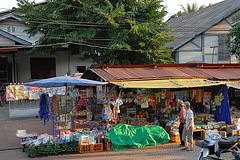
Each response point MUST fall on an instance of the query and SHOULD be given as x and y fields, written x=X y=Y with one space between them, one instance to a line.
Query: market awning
x=234 y=84
x=170 y=83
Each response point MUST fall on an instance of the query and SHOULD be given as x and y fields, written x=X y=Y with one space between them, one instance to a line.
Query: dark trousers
x=181 y=131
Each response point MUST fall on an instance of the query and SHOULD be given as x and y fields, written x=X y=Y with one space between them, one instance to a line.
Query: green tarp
x=125 y=136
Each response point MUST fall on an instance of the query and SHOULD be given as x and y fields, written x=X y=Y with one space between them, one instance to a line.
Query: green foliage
x=32 y=151
x=109 y=31
x=65 y=147
x=57 y=148
x=73 y=146
x=49 y=149
x=234 y=36
x=41 y=149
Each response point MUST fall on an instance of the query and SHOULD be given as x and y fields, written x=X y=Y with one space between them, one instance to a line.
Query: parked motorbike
x=235 y=154
x=224 y=145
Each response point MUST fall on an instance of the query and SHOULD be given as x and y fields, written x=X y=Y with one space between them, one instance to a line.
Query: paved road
x=169 y=151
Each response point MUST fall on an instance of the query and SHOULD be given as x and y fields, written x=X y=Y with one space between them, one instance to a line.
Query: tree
x=188 y=9
x=234 y=36
x=109 y=31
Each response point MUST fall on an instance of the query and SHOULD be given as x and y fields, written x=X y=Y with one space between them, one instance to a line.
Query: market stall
x=68 y=138
x=143 y=99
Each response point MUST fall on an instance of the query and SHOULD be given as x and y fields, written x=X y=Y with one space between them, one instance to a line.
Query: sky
x=172 y=5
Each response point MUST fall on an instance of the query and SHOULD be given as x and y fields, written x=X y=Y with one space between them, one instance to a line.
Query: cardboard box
x=174 y=138
x=235 y=132
x=84 y=142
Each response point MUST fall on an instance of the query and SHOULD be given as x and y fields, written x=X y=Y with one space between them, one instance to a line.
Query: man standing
x=188 y=128
x=181 y=120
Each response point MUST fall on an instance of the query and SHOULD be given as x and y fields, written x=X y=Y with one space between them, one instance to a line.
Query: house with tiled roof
x=201 y=36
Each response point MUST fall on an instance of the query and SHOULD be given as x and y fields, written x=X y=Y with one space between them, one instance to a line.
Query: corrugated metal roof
x=188 y=26
x=111 y=74
x=223 y=74
x=103 y=74
x=141 y=73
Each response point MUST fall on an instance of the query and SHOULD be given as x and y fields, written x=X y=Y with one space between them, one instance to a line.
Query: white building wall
x=191 y=52
x=5 y=42
x=61 y=58
x=19 y=30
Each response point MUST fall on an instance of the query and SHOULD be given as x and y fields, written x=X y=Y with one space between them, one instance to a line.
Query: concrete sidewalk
x=9 y=126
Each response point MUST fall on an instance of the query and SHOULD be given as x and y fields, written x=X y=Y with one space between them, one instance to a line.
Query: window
x=11 y=29
x=42 y=68
x=81 y=69
x=223 y=52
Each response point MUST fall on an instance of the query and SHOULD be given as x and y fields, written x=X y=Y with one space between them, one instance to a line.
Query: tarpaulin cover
x=124 y=136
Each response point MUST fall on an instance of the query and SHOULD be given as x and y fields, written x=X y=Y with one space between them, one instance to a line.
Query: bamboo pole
x=66 y=106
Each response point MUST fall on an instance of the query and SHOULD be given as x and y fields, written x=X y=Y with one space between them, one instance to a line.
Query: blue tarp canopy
x=64 y=81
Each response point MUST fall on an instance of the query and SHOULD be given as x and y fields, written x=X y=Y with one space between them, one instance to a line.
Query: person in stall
x=144 y=114
x=187 y=134
x=156 y=121
x=180 y=104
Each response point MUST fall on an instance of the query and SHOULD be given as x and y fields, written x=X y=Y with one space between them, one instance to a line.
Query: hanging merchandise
x=144 y=105
x=144 y=102
x=199 y=94
x=84 y=95
x=163 y=95
x=157 y=96
x=181 y=95
x=152 y=103
x=44 y=108
x=168 y=106
x=107 y=111
x=54 y=106
x=186 y=94
x=34 y=93
x=26 y=92
x=207 y=98
x=89 y=92
x=170 y=97
x=115 y=112
x=213 y=106
x=10 y=93
x=176 y=93
x=19 y=92
x=118 y=103
x=218 y=99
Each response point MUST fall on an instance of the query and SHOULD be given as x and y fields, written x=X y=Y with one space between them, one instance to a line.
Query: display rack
x=59 y=123
x=82 y=116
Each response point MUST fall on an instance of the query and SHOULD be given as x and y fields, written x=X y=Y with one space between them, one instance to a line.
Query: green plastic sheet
x=124 y=136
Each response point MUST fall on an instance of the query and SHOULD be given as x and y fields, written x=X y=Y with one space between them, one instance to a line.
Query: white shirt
x=188 y=116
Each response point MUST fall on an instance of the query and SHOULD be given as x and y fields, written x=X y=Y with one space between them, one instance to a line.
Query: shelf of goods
x=82 y=117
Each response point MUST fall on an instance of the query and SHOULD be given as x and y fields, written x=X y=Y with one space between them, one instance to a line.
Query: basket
x=98 y=147
x=107 y=144
x=84 y=149
x=90 y=148
x=175 y=138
